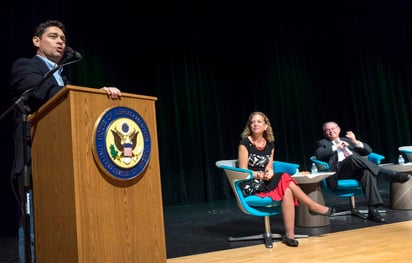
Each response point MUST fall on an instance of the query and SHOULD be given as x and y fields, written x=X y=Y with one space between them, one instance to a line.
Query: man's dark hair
x=42 y=27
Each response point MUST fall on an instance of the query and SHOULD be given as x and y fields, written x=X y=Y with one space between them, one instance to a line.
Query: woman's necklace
x=259 y=145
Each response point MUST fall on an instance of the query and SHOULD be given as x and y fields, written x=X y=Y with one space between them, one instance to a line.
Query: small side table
x=400 y=194
x=310 y=184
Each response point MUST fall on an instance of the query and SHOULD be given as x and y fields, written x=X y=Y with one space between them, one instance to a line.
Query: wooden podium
x=80 y=213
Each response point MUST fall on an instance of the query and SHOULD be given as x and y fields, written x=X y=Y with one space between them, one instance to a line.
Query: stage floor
x=354 y=245
x=204 y=227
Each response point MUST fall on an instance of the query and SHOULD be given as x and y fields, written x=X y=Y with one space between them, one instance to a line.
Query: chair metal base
x=354 y=212
x=267 y=236
x=361 y=213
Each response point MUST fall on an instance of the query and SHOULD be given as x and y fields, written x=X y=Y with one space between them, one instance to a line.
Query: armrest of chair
x=246 y=174
x=405 y=149
x=239 y=174
x=375 y=158
x=284 y=167
x=322 y=166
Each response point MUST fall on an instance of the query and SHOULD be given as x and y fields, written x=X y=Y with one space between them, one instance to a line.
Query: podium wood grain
x=81 y=214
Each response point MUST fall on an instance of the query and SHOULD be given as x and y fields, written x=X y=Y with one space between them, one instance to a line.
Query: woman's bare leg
x=288 y=213
x=306 y=200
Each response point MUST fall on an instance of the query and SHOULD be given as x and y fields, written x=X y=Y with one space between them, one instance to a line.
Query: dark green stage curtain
x=204 y=104
x=300 y=74
x=211 y=66
x=206 y=95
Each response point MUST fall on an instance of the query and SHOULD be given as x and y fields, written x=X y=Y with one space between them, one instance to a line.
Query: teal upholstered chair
x=254 y=205
x=347 y=187
x=407 y=150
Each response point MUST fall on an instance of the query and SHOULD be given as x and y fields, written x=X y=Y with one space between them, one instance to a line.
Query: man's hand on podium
x=113 y=92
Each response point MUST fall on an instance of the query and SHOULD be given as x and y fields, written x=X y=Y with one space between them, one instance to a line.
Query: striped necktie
x=345 y=151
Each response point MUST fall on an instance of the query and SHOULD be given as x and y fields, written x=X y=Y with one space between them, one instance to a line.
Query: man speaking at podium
x=34 y=81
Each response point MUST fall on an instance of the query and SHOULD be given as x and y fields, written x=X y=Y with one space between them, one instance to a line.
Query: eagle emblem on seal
x=121 y=143
x=125 y=143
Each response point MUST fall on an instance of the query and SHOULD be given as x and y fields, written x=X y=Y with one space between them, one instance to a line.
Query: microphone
x=70 y=55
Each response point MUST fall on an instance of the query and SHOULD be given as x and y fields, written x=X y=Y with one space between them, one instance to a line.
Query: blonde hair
x=267 y=134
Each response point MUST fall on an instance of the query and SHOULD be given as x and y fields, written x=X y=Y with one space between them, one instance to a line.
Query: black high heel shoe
x=289 y=241
x=330 y=212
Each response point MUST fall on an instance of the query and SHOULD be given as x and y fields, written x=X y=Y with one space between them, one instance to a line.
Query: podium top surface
x=100 y=91
x=68 y=88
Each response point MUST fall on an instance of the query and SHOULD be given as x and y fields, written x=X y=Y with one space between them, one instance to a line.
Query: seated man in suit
x=346 y=157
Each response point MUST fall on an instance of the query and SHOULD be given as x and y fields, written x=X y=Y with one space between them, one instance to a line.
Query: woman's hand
x=259 y=175
x=268 y=175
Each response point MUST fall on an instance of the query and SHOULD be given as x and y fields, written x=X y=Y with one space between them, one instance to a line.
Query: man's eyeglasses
x=331 y=129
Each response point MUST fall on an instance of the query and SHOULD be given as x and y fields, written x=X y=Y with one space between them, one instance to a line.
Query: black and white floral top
x=258 y=159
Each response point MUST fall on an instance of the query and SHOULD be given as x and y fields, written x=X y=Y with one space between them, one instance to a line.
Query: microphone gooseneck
x=71 y=57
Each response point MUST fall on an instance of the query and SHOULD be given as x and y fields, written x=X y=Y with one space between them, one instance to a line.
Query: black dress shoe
x=330 y=212
x=400 y=177
x=375 y=216
x=290 y=242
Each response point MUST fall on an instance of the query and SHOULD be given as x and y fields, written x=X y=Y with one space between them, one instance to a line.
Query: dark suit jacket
x=324 y=152
x=26 y=73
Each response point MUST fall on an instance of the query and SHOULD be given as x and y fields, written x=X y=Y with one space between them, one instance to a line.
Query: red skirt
x=278 y=193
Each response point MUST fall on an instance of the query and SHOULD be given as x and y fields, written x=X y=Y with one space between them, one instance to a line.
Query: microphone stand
x=26 y=201
x=27 y=180
x=27 y=186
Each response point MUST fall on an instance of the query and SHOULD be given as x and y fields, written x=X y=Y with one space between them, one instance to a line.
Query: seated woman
x=256 y=152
